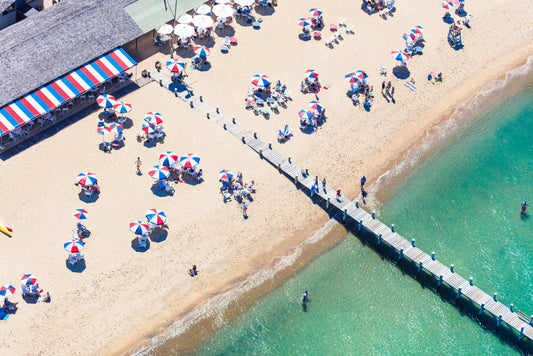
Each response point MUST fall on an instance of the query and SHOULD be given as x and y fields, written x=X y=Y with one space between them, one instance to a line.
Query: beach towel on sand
x=410 y=86
x=3 y=316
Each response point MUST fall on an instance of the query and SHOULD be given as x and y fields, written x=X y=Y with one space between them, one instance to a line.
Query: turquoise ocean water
x=464 y=204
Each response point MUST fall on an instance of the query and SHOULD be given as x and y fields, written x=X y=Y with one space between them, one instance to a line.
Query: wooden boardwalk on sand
x=362 y=222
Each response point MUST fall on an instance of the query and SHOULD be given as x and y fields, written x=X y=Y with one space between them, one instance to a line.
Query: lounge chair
x=390 y=5
x=329 y=41
x=71 y=259
x=88 y=192
x=142 y=241
x=287 y=132
x=382 y=70
x=349 y=29
x=383 y=13
x=342 y=22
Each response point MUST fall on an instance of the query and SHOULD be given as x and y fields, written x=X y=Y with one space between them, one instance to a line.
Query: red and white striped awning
x=54 y=94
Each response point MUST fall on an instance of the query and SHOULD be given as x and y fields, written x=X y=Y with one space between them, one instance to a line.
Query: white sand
x=124 y=295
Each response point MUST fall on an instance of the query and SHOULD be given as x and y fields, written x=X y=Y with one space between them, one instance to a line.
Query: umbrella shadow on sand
x=401 y=72
x=160 y=192
x=184 y=52
x=265 y=10
x=158 y=234
x=228 y=30
x=245 y=21
x=204 y=67
x=88 y=199
x=207 y=42
x=137 y=247
x=78 y=267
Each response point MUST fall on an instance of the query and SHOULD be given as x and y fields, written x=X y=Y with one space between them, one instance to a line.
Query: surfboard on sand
x=5 y=228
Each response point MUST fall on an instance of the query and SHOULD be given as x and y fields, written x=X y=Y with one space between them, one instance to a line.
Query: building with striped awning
x=54 y=94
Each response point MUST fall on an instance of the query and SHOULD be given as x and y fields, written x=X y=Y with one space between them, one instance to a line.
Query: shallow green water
x=464 y=203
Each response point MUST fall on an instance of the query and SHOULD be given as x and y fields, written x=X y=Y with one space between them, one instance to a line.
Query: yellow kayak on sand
x=5 y=228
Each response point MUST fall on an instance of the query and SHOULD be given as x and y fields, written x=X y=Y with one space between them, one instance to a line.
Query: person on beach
x=392 y=93
x=524 y=207
x=244 y=210
x=316 y=181
x=138 y=164
x=324 y=183
x=363 y=181
x=338 y=194
x=363 y=194
x=193 y=271
x=382 y=87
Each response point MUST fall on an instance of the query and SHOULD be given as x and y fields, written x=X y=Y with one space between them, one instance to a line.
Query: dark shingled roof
x=59 y=39
x=4 y=4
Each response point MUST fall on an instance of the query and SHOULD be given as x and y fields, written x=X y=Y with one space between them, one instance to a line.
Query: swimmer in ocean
x=524 y=207
x=304 y=297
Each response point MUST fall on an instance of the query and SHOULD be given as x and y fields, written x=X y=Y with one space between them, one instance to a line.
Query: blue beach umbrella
x=303 y=22
x=139 y=228
x=156 y=217
x=351 y=78
x=105 y=101
x=168 y=158
x=159 y=172
x=190 y=161
x=400 y=55
x=260 y=81
x=225 y=175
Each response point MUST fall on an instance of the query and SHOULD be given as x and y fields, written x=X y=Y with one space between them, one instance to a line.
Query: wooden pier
x=443 y=279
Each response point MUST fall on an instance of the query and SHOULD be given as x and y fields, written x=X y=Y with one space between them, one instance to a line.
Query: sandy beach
x=124 y=297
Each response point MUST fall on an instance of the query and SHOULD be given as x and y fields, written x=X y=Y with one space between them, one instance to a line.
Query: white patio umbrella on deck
x=165 y=29
x=203 y=9
x=223 y=10
x=185 y=18
x=183 y=30
x=202 y=21
x=244 y=2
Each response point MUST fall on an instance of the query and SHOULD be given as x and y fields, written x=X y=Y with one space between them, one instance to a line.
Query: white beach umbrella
x=202 y=21
x=223 y=10
x=165 y=29
x=244 y=2
x=203 y=9
x=183 y=30
x=185 y=18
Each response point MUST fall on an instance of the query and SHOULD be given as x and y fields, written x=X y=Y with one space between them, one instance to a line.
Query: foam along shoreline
x=226 y=306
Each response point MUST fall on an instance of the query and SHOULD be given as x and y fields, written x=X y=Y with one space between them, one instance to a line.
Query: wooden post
x=289 y=159
x=499 y=321
x=451 y=268
x=255 y=134
x=511 y=307
x=400 y=255
x=261 y=153
x=373 y=214
x=270 y=145
x=360 y=225
x=357 y=204
x=495 y=296
x=192 y=105
x=327 y=204
x=481 y=308
x=392 y=228
x=433 y=255
x=201 y=99
x=176 y=92
x=218 y=110
x=233 y=121
x=225 y=128
x=379 y=239
x=419 y=266
x=295 y=179
x=161 y=82
x=413 y=242
x=243 y=139
x=440 y=280
x=471 y=280
x=344 y=214
x=521 y=333
x=208 y=115
x=458 y=292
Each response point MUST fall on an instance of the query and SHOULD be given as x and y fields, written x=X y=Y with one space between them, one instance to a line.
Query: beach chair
x=79 y=256
x=71 y=260
x=233 y=41
x=287 y=132
x=91 y=96
x=382 y=70
x=349 y=29
x=333 y=27
x=227 y=41
x=329 y=41
x=88 y=192
x=383 y=13
x=342 y=22
x=390 y=5
x=142 y=241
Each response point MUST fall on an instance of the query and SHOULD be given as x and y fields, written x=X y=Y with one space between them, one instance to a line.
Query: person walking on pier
x=363 y=181
x=324 y=183
x=524 y=207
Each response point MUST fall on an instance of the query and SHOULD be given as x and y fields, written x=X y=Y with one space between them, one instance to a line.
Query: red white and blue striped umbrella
x=417 y=30
x=148 y=128
x=202 y=51
x=105 y=101
x=351 y=78
x=28 y=280
x=409 y=37
x=122 y=107
x=310 y=73
x=153 y=118
x=87 y=179
x=303 y=22
x=361 y=74
x=168 y=158
x=175 y=65
x=260 y=80
x=7 y=290
x=159 y=172
x=73 y=246
x=315 y=105
x=102 y=130
x=81 y=214
x=189 y=161
x=447 y=5
x=115 y=128
x=305 y=114
x=156 y=217
x=399 y=55
x=139 y=228
x=225 y=175
x=315 y=12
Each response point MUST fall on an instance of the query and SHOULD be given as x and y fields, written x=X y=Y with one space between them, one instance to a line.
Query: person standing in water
x=305 y=297
x=524 y=207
